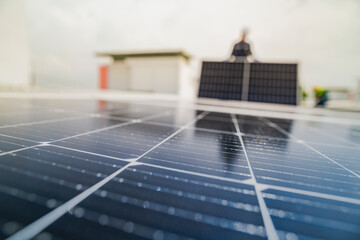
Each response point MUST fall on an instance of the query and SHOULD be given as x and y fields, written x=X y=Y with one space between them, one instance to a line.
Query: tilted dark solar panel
x=271 y=83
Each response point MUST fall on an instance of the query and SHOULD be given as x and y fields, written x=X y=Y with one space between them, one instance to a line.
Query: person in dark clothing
x=241 y=49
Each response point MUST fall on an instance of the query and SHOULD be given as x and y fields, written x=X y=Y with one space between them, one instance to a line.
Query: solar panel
x=133 y=170
x=254 y=82
x=273 y=83
x=221 y=80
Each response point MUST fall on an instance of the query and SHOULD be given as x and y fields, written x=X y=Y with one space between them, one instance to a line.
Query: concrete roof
x=118 y=56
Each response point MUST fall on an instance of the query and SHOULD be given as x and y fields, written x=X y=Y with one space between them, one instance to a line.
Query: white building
x=158 y=72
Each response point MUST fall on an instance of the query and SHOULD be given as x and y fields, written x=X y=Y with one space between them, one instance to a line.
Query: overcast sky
x=322 y=35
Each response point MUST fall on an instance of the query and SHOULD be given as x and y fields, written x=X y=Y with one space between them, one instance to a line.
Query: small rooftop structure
x=164 y=71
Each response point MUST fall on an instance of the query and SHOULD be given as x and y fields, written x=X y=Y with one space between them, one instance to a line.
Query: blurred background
x=64 y=44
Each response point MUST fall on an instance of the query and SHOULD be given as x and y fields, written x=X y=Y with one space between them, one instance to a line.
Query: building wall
x=119 y=76
x=188 y=84
x=14 y=46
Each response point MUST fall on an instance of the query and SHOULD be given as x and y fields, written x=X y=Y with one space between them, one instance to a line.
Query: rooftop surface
x=137 y=167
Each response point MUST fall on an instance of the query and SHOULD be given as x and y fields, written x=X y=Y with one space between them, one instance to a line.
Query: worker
x=241 y=50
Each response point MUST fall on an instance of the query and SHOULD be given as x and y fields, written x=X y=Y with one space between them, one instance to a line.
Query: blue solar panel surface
x=129 y=170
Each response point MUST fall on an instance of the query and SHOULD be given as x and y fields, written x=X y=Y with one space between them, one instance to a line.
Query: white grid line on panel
x=269 y=225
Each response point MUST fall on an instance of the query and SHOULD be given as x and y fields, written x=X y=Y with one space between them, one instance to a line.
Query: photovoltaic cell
x=8 y=143
x=125 y=142
x=24 y=116
x=182 y=152
x=318 y=217
x=127 y=170
x=345 y=155
x=51 y=131
x=304 y=169
x=154 y=202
